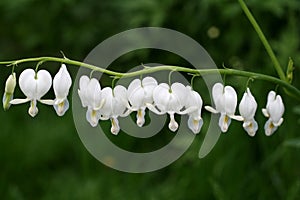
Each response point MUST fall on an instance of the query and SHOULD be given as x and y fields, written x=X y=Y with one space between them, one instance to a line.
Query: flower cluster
x=35 y=85
x=161 y=98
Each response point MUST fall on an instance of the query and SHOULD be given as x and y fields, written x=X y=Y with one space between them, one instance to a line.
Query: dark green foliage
x=43 y=158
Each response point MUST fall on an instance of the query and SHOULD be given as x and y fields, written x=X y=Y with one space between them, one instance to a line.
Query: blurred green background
x=43 y=157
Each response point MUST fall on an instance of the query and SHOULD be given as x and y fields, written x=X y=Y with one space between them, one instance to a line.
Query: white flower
x=90 y=96
x=170 y=100
x=9 y=91
x=193 y=99
x=274 y=111
x=247 y=110
x=115 y=105
x=225 y=100
x=34 y=86
x=61 y=84
x=139 y=94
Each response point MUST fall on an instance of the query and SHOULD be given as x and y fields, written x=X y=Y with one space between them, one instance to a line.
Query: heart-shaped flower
x=90 y=95
x=61 y=84
x=115 y=105
x=139 y=94
x=274 y=111
x=34 y=86
x=247 y=110
x=225 y=99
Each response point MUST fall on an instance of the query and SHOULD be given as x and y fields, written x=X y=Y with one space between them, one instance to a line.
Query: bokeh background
x=43 y=157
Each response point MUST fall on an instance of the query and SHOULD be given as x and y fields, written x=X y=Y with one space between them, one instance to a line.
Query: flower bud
x=9 y=91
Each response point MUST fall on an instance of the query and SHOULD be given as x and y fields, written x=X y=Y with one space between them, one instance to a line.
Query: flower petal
x=19 y=101
x=173 y=125
x=92 y=116
x=195 y=125
x=217 y=93
x=44 y=82
x=248 y=105
x=270 y=128
x=251 y=127
x=62 y=107
x=224 y=122
x=33 y=110
x=115 y=128
x=230 y=100
x=62 y=82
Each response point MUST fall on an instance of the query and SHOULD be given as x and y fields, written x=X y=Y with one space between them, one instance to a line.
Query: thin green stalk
x=293 y=91
x=263 y=39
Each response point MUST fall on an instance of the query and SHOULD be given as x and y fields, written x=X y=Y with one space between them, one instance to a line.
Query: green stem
x=263 y=39
x=148 y=70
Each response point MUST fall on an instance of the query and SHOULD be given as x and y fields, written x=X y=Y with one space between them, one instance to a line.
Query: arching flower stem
x=148 y=70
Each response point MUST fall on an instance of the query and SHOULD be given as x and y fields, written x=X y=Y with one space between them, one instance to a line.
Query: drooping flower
x=274 y=111
x=139 y=94
x=116 y=105
x=171 y=100
x=225 y=99
x=90 y=95
x=9 y=91
x=247 y=110
x=61 y=84
x=34 y=86
x=195 y=120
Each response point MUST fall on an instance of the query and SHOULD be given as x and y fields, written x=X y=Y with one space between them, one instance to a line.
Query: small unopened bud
x=9 y=91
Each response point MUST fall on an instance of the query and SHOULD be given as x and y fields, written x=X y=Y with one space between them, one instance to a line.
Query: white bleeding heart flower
x=90 y=95
x=171 y=100
x=274 y=111
x=10 y=85
x=194 y=100
x=34 y=86
x=115 y=105
x=225 y=99
x=140 y=93
x=61 y=84
x=247 y=110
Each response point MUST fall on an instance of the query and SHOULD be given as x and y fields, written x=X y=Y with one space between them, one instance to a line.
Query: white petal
x=236 y=117
x=49 y=102
x=62 y=107
x=180 y=91
x=62 y=82
x=224 y=122
x=161 y=96
x=173 y=125
x=265 y=112
x=211 y=109
x=152 y=108
x=33 y=110
x=27 y=83
x=107 y=108
x=92 y=117
x=230 y=100
x=149 y=82
x=44 y=82
x=83 y=85
x=115 y=128
x=280 y=121
x=93 y=94
x=19 y=101
x=195 y=125
x=133 y=86
x=270 y=128
x=276 y=109
x=217 y=93
x=251 y=127
x=136 y=98
x=140 y=117
x=248 y=105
